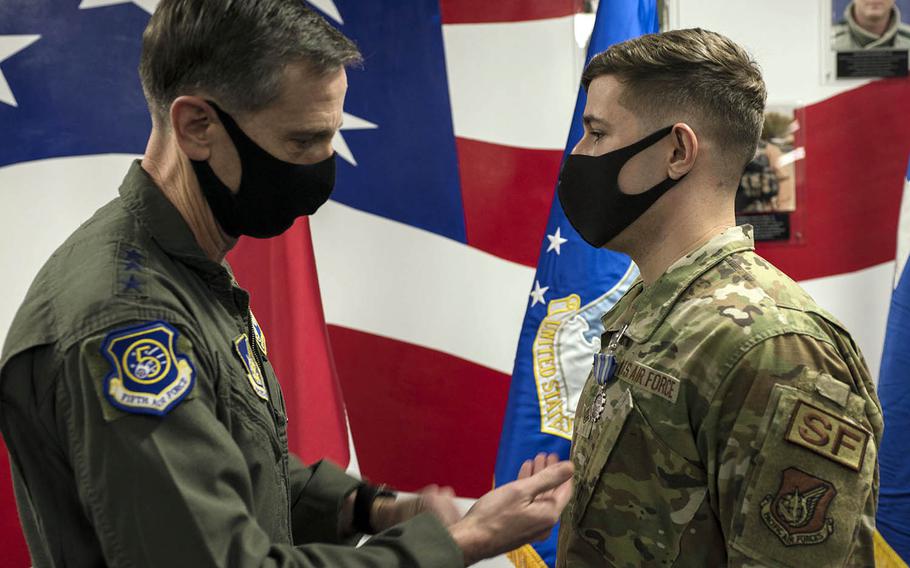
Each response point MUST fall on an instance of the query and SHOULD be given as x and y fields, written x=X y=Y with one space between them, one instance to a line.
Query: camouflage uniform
x=739 y=428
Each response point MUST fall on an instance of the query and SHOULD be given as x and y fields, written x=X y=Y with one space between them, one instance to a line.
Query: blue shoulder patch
x=148 y=376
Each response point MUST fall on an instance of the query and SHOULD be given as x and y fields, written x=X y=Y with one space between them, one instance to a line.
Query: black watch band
x=363 y=505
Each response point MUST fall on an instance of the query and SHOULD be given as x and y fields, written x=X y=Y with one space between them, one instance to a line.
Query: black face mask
x=590 y=195
x=272 y=193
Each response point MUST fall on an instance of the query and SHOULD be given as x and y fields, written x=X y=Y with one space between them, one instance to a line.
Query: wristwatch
x=363 y=505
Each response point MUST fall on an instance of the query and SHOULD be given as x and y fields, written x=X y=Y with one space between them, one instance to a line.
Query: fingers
x=562 y=494
x=526 y=469
x=440 y=502
x=433 y=489
x=540 y=462
x=550 y=477
x=551 y=459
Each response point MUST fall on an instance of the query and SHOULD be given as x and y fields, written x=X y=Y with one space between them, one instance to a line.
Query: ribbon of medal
x=604 y=369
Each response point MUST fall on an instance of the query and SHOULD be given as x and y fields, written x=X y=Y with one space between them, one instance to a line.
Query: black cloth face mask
x=272 y=193
x=590 y=195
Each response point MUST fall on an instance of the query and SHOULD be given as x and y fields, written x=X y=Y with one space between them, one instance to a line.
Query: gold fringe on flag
x=527 y=557
x=885 y=557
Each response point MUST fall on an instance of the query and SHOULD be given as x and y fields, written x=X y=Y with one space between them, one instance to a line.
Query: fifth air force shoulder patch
x=148 y=375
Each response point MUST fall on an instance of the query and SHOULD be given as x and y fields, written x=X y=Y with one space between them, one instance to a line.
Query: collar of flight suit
x=145 y=201
x=650 y=305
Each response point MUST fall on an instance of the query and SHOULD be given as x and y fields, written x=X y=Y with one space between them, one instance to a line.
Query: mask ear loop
x=632 y=150
x=655 y=192
x=648 y=140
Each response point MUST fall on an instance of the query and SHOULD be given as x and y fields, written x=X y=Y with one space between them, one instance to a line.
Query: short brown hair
x=234 y=50
x=691 y=73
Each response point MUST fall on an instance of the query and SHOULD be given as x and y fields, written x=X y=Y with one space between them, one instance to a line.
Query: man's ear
x=685 y=150
x=192 y=119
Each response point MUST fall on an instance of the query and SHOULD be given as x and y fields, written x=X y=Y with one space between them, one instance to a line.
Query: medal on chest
x=604 y=368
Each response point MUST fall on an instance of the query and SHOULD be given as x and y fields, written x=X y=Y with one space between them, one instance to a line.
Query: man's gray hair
x=234 y=50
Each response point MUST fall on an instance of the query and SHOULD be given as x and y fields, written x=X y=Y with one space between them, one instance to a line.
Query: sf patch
x=803 y=500
x=830 y=436
x=251 y=366
x=798 y=512
x=148 y=375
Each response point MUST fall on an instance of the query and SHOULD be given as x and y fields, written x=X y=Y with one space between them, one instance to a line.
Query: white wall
x=788 y=38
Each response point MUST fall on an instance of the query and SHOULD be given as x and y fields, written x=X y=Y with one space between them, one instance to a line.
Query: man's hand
x=516 y=513
x=388 y=512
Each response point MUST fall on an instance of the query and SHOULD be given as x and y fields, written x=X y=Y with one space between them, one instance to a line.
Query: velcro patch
x=798 y=512
x=643 y=376
x=836 y=438
x=148 y=375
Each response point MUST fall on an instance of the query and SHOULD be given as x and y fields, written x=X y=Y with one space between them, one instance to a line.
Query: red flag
x=280 y=275
x=15 y=553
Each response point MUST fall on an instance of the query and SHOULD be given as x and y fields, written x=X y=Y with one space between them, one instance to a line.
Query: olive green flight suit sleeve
x=791 y=441
x=175 y=490
x=317 y=495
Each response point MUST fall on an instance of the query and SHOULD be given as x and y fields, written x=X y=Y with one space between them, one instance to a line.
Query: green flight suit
x=145 y=424
x=740 y=427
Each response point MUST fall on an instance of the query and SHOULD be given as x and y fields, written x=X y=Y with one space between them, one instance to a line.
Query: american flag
x=454 y=132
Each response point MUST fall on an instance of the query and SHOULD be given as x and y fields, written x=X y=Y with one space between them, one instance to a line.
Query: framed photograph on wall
x=870 y=38
x=770 y=196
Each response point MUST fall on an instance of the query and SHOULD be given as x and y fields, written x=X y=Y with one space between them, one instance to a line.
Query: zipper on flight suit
x=254 y=346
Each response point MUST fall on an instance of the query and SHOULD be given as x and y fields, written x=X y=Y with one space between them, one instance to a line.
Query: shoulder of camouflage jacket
x=726 y=310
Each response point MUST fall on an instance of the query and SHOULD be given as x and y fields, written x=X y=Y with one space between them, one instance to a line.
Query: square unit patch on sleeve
x=805 y=492
x=148 y=375
x=838 y=439
x=798 y=512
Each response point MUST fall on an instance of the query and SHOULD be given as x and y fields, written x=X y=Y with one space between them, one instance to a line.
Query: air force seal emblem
x=566 y=339
x=148 y=375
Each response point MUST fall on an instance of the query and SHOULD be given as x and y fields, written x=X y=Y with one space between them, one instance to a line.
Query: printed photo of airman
x=871 y=24
x=768 y=183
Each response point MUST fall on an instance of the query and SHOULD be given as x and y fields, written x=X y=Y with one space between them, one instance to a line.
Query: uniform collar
x=868 y=39
x=648 y=306
x=145 y=201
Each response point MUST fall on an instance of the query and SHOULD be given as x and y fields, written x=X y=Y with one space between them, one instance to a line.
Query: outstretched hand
x=519 y=512
x=532 y=467
x=440 y=501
